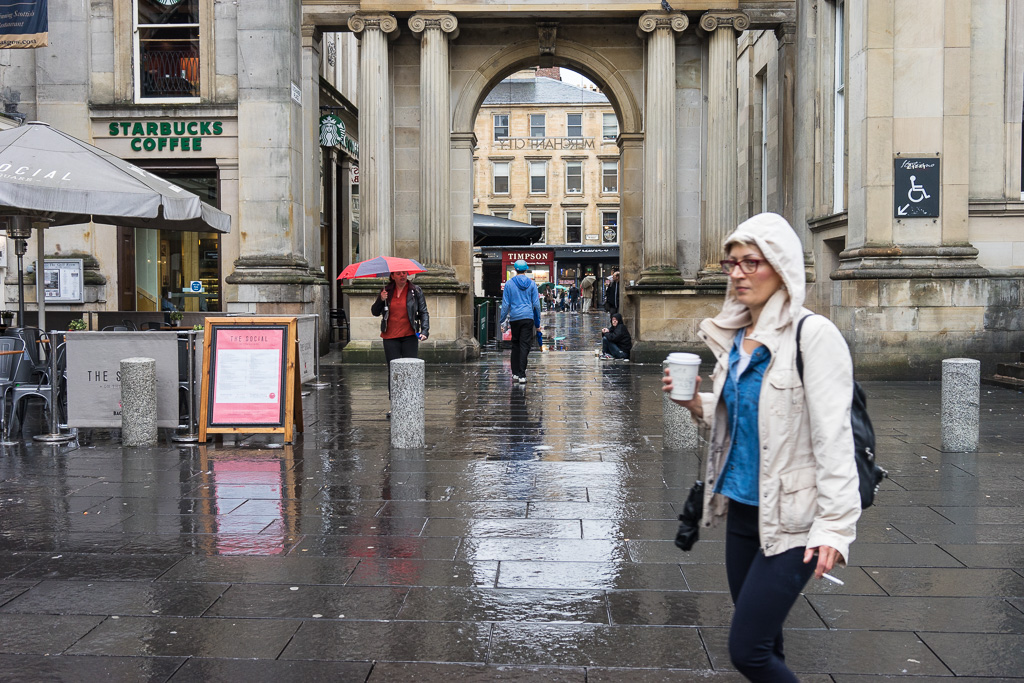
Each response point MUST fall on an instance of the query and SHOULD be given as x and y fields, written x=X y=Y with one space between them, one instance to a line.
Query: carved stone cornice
x=710 y=21
x=547 y=34
x=382 y=21
x=785 y=34
x=444 y=21
x=652 y=21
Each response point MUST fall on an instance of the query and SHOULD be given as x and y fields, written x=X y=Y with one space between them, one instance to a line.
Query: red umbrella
x=381 y=267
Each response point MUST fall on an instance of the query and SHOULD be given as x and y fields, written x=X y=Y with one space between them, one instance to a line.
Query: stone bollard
x=961 y=396
x=138 y=402
x=680 y=429
x=407 y=403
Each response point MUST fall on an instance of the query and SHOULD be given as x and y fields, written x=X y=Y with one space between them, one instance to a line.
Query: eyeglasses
x=747 y=265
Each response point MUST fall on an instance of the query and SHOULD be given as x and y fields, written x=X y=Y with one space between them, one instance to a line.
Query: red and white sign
x=247 y=376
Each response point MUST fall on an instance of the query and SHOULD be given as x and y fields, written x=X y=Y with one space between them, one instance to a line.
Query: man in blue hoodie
x=520 y=304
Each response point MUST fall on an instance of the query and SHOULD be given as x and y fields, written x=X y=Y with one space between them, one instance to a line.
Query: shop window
x=500 y=177
x=610 y=227
x=500 y=126
x=609 y=127
x=610 y=177
x=573 y=227
x=574 y=125
x=574 y=177
x=538 y=177
x=166 y=36
x=537 y=126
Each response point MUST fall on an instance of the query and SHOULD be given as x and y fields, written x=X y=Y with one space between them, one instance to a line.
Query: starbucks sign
x=332 y=131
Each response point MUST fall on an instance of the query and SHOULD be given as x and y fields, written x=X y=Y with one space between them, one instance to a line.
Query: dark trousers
x=612 y=349
x=523 y=333
x=402 y=347
x=763 y=591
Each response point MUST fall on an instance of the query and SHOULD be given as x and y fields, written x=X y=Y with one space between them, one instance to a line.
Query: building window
x=537 y=129
x=500 y=126
x=610 y=177
x=609 y=127
x=573 y=227
x=500 y=214
x=166 y=49
x=839 y=112
x=574 y=125
x=538 y=177
x=539 y=219
x=610 y=227
x=500 y=177
x=574 y=177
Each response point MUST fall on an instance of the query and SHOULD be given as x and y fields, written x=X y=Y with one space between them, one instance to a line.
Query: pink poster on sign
x=247 y=371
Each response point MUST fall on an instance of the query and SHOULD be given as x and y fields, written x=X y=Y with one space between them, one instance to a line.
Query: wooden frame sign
x=253 y=385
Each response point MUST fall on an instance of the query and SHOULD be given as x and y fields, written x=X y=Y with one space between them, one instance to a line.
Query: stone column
x=785 y=34
x=433 y=29
x=660 y=261
x=312 y=168
x=720 y=203
x=376 y=223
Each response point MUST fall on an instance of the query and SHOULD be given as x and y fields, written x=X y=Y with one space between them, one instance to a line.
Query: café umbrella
x=54 y=179
x=381 y=266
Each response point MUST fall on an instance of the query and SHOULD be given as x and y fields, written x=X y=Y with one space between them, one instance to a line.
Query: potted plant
x=76 y=325
x=6 y=318
x=176 y=317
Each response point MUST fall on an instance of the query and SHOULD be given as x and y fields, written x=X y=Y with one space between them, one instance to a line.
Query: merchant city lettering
x=157 y=136
x=505 y=144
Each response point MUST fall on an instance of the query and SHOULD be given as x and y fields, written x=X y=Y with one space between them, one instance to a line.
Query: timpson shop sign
x=166 y=136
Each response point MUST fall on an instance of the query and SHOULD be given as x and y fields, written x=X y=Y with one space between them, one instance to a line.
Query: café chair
x=36 y=348
x=24 y=388
x=12 y=354
x=114 y=328
x=129 y=325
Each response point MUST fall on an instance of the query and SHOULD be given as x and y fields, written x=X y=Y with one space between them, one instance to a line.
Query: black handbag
x=868 y=471
x=689 y=518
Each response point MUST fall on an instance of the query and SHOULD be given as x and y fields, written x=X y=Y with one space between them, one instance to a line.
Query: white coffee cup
x=683 y=368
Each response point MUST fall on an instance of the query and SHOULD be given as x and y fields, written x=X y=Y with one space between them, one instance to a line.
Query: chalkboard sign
x=916 y=183
x=252 y=382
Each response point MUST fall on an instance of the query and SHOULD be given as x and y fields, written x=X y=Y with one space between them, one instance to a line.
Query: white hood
x=781 y=246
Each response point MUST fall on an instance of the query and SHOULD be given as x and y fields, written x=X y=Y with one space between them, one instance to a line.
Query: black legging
x=763 y=591
x=402 y=347
x=523 y=333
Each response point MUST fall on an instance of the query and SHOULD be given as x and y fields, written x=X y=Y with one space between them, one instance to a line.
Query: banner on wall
x=23 y=24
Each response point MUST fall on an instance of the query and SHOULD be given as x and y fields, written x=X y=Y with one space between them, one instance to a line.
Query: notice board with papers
x=253 y=383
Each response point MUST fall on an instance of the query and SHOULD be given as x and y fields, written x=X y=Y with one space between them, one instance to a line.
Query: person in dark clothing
x=615 y=340
x=574 y=298
x=520 y=304
x=405 y=323
x=611 y=294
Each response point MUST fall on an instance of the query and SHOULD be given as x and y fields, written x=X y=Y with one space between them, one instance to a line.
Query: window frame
x=618 y=227
x=604 y=126
x=566 y=223
x=569 y=126
x=495 y=126
x=136 y=68
x=531 y=165
x=507 y=176
x=543 y=125
x=604 y=166
x=839 y=107
x=544 y=224
x=574 y=162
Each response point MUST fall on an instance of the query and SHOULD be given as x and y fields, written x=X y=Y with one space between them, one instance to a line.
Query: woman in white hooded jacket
x=780 y=469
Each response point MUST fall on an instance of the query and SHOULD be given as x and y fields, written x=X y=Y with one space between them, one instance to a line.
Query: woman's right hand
x=384 y=295
x=694 y=405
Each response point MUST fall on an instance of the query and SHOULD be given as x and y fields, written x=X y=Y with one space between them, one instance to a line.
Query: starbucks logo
x=332 y=131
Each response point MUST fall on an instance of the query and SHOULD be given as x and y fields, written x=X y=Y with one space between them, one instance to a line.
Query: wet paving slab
x=531 y=539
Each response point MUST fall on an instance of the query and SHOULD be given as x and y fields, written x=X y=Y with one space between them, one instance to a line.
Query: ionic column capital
x=711 y=21
x=381 y=21
x=652 y=21
x=443 y=21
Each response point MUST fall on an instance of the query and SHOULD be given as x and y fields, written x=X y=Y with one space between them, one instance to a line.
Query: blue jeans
x=612 y=349
x=763 y=591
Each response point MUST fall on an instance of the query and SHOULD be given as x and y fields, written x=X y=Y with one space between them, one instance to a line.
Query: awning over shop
x=494 y=231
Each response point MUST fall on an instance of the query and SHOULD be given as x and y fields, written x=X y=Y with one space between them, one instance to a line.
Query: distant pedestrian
x=549 y=299
x=561 y=300
x=587 y=291
x=615 y=340
x=611 y=294
x=780 y=469
x=574 y=298
x=405 y=323
x=520 y=304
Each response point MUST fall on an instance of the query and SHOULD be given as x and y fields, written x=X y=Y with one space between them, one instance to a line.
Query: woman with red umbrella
x=405 y=321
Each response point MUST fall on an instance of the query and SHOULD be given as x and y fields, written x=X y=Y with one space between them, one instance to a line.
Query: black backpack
x=870 y=474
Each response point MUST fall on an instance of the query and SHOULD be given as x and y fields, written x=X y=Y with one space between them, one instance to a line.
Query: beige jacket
x=808 y=483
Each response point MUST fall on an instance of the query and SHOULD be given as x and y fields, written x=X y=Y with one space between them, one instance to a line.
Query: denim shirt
x=741 y=395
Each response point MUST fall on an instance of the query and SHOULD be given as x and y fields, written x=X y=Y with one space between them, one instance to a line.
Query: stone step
x=1003 y=381
x=1015 y=370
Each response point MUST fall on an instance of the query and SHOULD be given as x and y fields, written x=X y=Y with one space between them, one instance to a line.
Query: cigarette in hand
x=833 y=579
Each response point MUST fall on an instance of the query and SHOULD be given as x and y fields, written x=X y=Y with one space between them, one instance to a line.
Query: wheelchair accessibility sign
x=916 y=184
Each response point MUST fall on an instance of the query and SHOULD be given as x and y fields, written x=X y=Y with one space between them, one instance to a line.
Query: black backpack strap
x=799 y=351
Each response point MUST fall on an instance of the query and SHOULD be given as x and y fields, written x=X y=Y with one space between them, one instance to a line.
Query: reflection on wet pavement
x=530 y=540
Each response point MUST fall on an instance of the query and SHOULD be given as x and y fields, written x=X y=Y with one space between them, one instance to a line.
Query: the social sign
x=916 y=183
x=195 y=286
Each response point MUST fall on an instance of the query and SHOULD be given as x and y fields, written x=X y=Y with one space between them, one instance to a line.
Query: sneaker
x=515 y=378
x=522 y=380
x=606 y=356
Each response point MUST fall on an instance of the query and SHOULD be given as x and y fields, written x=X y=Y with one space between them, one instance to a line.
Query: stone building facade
x=842 y=116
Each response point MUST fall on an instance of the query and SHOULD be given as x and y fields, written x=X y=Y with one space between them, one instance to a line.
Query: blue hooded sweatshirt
x=521 y=300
